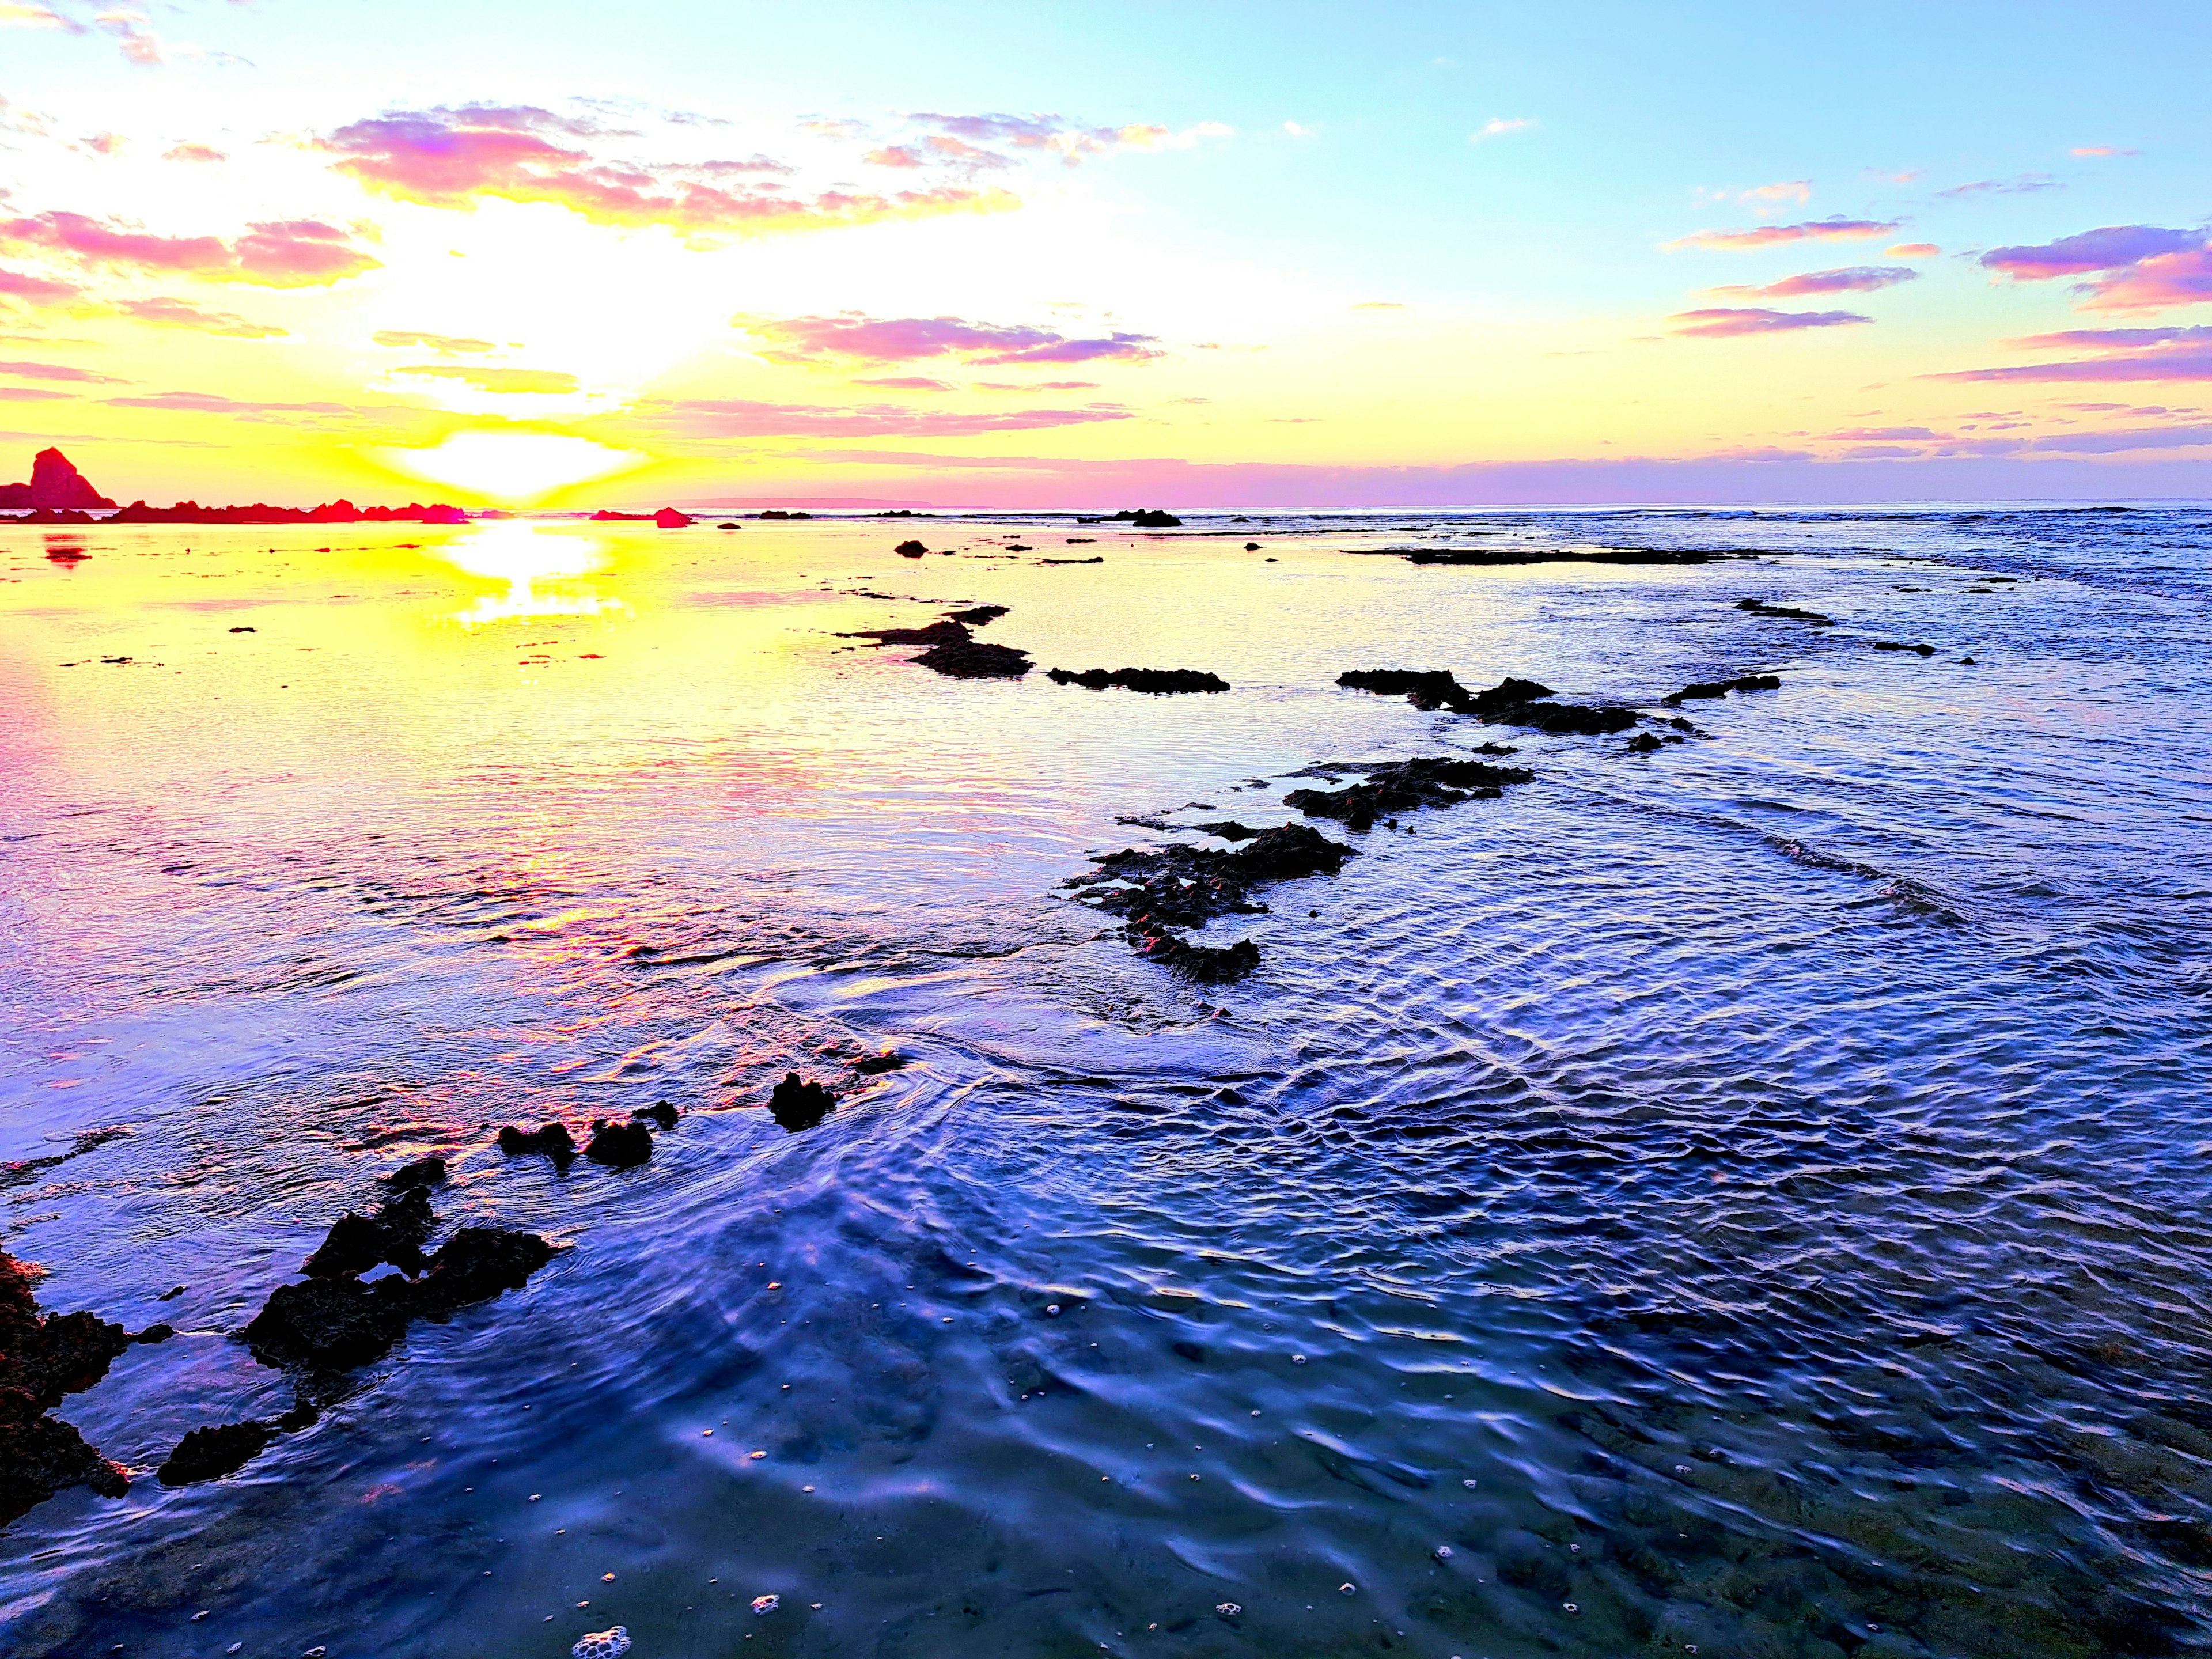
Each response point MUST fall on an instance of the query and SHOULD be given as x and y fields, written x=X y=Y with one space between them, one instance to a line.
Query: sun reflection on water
x=546 y=571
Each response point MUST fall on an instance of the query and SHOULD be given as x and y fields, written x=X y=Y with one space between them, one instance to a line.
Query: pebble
x=1229 y=1609
x=1348 y=1589
x=1444 y=1551
x=201 y=1614
x=316 y=1652
x=234 y=1647
x=1298 y=1360
x=603 y=1644
x=757 y=1455
x=1053 y=1308
x=766 y=1604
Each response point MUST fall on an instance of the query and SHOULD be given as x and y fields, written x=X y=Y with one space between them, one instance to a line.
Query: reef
x=1157 y=681
x=1505 y=556
x=1144 y=518
x=954 y=649
x=553 y=1139
x=1761 y=608
x=1721 y=688
x=619 y=1146
x=1404 y=787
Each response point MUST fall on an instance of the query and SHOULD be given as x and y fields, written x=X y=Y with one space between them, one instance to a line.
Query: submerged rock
x=798 y=1105
x=953 y=651
x=877 y=1065
x=1405 y=786
x=1893 y=645
x=209 y=1453
x=554 y=1141
x=619 y=1146
x=1510 y=703
x=395 y=1234
x=660 y=1113
x=1644 y=743
x=1158 y=682
x=422 y=1172
x=1760 y=607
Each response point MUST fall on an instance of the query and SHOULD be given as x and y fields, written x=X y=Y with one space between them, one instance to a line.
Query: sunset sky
x=1073 y=254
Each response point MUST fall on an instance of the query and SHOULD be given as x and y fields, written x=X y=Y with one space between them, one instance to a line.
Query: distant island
x=58 y=494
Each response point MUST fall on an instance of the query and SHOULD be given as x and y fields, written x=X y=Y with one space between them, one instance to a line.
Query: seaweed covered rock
x=619 y=1146
x=798 y=1105
x=553 y=1139
x=1157 y=681
x=1405 y=786
x=43 y=1357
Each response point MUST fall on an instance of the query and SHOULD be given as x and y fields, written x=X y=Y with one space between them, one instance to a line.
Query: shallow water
x=1749 y=1197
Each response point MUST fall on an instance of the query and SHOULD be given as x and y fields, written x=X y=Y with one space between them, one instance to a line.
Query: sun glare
x=516 y=467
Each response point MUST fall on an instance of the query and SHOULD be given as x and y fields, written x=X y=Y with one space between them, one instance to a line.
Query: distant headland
x=58 y=494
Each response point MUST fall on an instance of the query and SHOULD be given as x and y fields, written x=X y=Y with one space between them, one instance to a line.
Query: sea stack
x=54 y=483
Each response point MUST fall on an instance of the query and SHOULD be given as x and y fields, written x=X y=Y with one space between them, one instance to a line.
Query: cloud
x=2101 y=150
x=1799 y=191
x=1498 y=126
x=1296 y=131
x=908 y=339
x=199 y=153
x=178 y=313
x=1379 y=305
x=1847 y=279
x=2134 y=267
x=18 y=15
x=2022 y=184
x=2115 y=442
x=444 y=345
x=910 y=383
x=1880 y=434
x=744 y=418
x=1912 y=251
x=58 y=372
x=37 y=291
x=1724 y=324
x=28 y=394
x=1812 y=230
x=1054 y=134
x=895 y=155
x=2121 y=355
x=1035 y=385
x=274 y=253
x=453 y=157
x=484 y=378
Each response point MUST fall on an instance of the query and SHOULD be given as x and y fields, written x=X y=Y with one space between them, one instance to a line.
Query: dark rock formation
x=422 y=1172
x=953 y=650
x=660 y=1114
x=1405 y=786
x=910 y=549
x=1144 y=518
x=798 y=1105
x=1101 y=559
x=554 y=1141
x=1721 y=688
x=1760 y=607
x=619 y=1146
x=670 y=518
x=210 y=1453
x=1510 y=703
x=1158 y=682
x=778 y=513
x=977 y=616
x=43 y=1357
x=395 y=1234
x=877 y=1065
x=1893 y=645
x=1209 y=965
x=1644 y=743
x=1505 y=555
x=55 y=485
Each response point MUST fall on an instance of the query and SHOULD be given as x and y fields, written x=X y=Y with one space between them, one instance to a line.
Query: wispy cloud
x=1727 y=323
x=858 y=337
x=1912 y=251
x=58 y=371
x=2022 y=185
x=453 y=157
x=203 y=154
x=1055 y=136
x=37 y=291
x=1499 y=127
x=1847 y=279
x=488 y=378
x=19 y=15
x=1811 y=230
x=745 y=418
x=1799 y=191
x=2101 y=150
x=159 y=312
x=275 y=254
x=2120 y=354
x=461 y=345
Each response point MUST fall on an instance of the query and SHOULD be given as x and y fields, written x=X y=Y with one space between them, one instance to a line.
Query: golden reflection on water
x=545 y=569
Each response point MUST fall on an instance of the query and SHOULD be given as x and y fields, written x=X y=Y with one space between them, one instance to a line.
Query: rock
x=669 y=519
x=660 y=1113
x=727 y=525
x=210 y=1453
x=798 y=1104
x=1721 y=688
x=1101 y=559
x=1404 y=786
x=395 y=1234
x=1228 y=830
x=55 y=485
x=965 y=660
x=155 y=1333
x=764 y=1605
x=1893 y=645
x=1644 y=743
x=553 y=1140
x=619 y=1146
x=262 y=512
x=1251 y=547
x=877 y=1065
x=1760 y=607
x=42 y=1358
x=422 y=1172
x=910 y=549
x=604 y=1644
x=1158 y=682
x=977 y=616
x=1208 y=964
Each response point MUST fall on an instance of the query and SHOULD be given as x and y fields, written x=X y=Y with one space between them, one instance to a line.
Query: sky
x=1038 y=254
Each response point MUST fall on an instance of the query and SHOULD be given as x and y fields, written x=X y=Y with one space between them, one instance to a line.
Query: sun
x=515 y=467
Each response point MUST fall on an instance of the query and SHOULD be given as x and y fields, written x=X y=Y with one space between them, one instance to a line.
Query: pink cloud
x=37 y=291
x=1036 y=385
x=745 y=418
x=198 y=153
x=287 y=253
x=2122 y=355
x=57 y=372
x=452 y=157
x=894 y=155
x=1056 y=136
x=20 y=15
x=908 y=383
x=1913 y=251
x=178 y=313
x=1812 y=230
x=908 y=339
x=27 y=394
x=1849 y=279
x=2158 y=283
x=2106 y=249
x=1728 y=324
x=2100 y=150
x=1880 y=434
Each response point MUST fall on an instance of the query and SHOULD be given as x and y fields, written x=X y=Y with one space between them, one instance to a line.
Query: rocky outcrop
x=1510 y=703
x=43 y=1357
x=1405 y=786
x=55 y=485
x=1155 y=681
